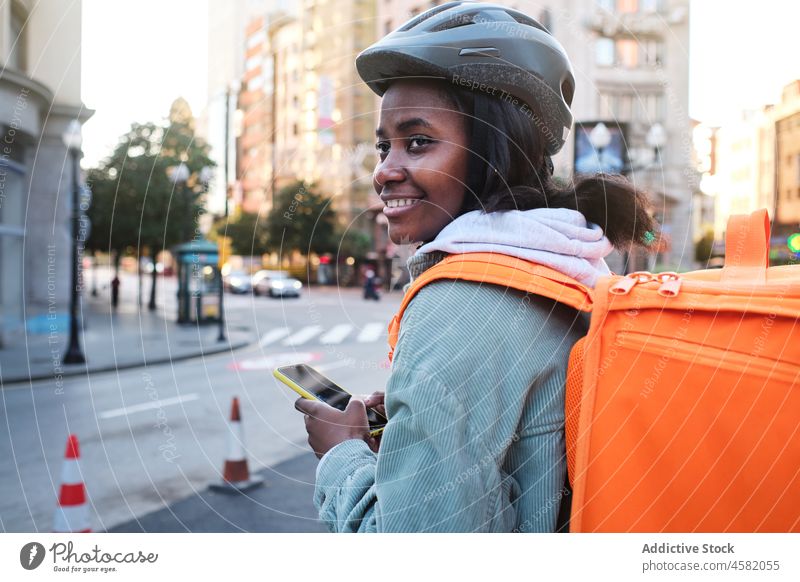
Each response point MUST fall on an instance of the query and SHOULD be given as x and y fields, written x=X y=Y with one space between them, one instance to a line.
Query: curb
x=83 y=370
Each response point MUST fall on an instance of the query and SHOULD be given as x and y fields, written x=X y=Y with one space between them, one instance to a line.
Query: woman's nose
x=387 y=170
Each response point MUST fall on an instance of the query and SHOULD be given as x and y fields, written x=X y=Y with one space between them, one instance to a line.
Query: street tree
x=248 y=233
x=301 y=220
x=137 y=202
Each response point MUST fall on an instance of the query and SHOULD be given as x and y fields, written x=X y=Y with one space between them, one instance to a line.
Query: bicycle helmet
x=474 y=42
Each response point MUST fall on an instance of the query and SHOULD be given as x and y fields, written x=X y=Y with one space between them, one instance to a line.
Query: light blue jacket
x=475 y=400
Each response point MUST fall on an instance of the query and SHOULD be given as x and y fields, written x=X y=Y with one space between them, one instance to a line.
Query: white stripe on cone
x=235 y=442
x=71 y=519
x=70 y=472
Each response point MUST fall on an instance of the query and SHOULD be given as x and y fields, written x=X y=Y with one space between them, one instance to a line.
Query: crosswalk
x=371 y=332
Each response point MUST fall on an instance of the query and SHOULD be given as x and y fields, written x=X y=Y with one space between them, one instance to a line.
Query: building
x=40 y=94
x=758 y=166
x=305 y=116
x=737 y=174
x=785 y=128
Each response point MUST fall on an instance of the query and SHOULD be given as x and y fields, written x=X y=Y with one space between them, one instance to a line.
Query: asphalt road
x=152 y=437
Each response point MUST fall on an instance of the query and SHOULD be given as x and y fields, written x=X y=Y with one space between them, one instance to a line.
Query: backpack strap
x=497 y=269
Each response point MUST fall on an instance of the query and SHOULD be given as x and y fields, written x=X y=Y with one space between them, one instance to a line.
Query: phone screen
x=327 y=391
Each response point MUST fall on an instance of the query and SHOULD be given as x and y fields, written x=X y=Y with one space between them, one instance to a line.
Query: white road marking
x=303 y=335
x=371 y=332
x=334 y=365
x=336 y=334
x=273 y=336
x=147 y=406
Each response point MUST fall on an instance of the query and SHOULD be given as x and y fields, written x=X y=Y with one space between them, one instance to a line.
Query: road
x=152 y=436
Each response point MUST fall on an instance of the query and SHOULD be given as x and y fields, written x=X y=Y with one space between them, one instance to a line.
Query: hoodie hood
x=558 y=238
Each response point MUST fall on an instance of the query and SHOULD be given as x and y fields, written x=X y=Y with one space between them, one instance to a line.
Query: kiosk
x=199 y=282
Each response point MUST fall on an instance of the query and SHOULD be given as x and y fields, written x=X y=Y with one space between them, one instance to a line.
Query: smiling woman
x=475 y=400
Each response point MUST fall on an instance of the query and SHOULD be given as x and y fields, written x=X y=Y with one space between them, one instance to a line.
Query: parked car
x=238 y=282
x=276 y=284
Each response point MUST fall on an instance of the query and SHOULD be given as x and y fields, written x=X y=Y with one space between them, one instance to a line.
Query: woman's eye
x=382 y=147
x=418 y=142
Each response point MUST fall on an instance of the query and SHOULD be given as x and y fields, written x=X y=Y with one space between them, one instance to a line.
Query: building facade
x=758 y=166
x=40 y=94
x=305 y=116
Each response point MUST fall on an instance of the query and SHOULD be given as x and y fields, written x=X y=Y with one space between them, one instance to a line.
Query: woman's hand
x=327 y=426
x=376 y=401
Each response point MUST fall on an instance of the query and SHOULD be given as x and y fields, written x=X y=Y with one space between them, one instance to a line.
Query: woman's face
x=422 y=170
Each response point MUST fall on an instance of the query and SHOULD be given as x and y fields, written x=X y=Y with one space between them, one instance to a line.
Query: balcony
x=635 y=24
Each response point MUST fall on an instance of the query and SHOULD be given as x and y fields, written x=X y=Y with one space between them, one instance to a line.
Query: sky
x=139 y=56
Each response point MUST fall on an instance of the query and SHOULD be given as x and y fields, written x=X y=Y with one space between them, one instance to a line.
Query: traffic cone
x=236 y=476
x=72 y=513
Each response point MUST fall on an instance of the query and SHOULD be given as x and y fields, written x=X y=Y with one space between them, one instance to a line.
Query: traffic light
x=793 y=242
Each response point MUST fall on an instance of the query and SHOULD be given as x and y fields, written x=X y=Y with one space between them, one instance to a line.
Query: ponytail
x=513 y=174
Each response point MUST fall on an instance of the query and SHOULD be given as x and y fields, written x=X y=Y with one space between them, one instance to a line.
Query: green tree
x=301 y=220
x=248 y=234
x=136 y=201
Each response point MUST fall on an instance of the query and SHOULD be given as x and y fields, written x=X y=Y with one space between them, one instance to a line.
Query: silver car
x=276 y=284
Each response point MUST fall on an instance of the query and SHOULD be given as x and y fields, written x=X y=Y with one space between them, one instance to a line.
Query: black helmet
x=475 y=43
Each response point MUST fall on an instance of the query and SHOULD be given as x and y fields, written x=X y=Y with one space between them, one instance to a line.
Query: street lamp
x=73 y=141
x=206 y=175
x=179 y=176
x=600 y=138
x=656 y=138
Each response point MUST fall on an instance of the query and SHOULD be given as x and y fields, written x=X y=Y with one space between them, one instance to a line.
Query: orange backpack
x=683 y=401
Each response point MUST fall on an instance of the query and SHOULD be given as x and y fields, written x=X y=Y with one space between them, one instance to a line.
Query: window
x=649 y=5
x=257 y=38
x=255 y=83
x=624 y=6
x=627 y=53
x=798 y=167
x=607 y=5
x=604 y=52
x=652 y=52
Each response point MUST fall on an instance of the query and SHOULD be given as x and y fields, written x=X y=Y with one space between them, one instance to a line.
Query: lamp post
x=178 y=177
x=656 y=138
x=72 y=139
x=206 y=175
x=600 y=138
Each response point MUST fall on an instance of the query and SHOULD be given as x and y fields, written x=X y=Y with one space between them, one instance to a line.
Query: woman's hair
x=516 y=173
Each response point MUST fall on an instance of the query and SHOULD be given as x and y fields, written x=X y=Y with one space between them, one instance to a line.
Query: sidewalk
x=113 y=341
x=283 y=504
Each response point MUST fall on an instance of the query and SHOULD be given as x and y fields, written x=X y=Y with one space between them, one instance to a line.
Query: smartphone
x=310 y=383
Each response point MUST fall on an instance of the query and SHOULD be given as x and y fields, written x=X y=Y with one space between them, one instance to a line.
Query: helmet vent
x=426 y=15
x=567 y=91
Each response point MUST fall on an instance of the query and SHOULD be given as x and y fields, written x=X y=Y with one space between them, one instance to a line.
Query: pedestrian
x=475 y=398
x=370 y=284
x=115 y=291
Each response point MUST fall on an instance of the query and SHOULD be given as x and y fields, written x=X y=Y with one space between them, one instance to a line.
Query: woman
x=475 y=101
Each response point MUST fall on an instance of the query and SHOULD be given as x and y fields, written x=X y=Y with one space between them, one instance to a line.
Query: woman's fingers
x=310 y=407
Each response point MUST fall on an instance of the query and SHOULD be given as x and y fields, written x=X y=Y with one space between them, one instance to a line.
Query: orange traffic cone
x=236 y=475
x=72 y=514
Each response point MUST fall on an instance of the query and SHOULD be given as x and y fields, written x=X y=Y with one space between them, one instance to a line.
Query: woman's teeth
x=401 y=202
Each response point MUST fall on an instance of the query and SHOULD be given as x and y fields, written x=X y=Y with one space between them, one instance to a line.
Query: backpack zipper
x=670 y=283
x=629 y=281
